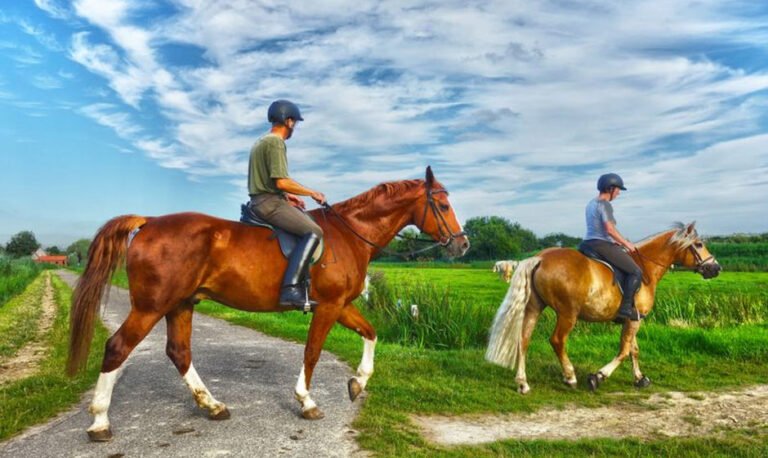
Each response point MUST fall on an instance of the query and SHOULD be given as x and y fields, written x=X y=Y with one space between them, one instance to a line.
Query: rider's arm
x=292 y=186
x=610 y=228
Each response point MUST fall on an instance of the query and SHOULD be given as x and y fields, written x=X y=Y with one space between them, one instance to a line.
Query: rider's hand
x=295 y=200
x=631 y=246
x=319 y=197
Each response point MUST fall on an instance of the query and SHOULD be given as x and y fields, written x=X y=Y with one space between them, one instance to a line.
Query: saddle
x=285 y=239
x=618 y=276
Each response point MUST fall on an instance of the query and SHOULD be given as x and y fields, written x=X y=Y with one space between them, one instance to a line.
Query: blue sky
x=146 y=106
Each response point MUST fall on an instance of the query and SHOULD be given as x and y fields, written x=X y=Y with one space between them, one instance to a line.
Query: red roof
x=52 y=259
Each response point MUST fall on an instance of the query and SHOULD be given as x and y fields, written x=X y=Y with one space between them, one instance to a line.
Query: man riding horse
x=603 y=237
x=274 y=198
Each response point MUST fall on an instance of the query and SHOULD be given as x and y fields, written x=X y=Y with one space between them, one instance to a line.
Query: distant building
x=38 y=254
x=57 y=260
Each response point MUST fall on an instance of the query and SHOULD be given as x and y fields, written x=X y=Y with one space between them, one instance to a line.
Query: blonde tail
x=507 y=329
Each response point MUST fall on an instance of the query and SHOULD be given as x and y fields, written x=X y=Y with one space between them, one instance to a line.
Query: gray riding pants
x=275 y=210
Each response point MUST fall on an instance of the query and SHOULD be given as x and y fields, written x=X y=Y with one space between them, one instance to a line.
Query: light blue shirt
x=598 y=213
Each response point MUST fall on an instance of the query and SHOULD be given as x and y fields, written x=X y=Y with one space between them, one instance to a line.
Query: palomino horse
x=175 y=261
x=577 y=287
x=505 y=269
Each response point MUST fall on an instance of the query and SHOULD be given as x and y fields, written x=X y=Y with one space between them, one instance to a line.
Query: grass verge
x=19 y=317
x=37 y=398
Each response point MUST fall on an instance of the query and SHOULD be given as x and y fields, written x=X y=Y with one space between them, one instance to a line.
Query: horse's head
x=434 y=215
x=694 y=254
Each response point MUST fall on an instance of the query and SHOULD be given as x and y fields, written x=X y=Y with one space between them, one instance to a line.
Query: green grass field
x=415 y=376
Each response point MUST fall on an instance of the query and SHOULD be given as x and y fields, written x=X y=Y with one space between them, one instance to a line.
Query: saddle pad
x=286 y=240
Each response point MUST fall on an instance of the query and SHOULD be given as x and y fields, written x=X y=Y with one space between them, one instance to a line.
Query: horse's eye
x=444 y=207
x=698 y=245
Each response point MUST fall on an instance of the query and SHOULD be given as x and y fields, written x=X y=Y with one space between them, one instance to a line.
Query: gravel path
x=153 y=413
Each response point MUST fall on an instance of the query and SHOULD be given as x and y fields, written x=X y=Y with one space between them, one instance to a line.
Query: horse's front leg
x=324 y=317
x=628 y=333
x=351 y=318
x=641 y=381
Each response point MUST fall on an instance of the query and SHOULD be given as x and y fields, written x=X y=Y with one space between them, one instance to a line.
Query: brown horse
x=174 y=261
x=577 y=287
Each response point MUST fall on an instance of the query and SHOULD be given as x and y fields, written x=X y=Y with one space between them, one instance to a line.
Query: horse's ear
x=691 y=228
x=430 y=177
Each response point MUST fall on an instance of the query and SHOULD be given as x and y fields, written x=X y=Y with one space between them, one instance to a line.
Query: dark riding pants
x=275 y=210
x=616 y=256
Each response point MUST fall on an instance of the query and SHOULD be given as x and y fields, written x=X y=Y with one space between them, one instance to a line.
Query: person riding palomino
x=603 y=237
x=274 y=198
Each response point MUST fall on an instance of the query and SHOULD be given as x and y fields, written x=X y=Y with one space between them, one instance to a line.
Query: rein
x=696 y=256
x=429 y=205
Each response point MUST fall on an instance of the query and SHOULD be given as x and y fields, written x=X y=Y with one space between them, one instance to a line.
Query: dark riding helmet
x=280 y=110
x=609 y=180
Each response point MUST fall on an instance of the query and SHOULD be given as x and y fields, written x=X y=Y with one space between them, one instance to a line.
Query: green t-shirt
x=268 y=161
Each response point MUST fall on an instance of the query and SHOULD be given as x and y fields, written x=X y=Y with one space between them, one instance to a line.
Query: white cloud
x=522 y=102
x=53 y=8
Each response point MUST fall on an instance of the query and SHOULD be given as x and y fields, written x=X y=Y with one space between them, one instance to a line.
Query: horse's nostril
x=465 y=245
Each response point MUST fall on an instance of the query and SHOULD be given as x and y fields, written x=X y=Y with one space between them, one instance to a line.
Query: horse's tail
x=507 y=329
x=104 y=255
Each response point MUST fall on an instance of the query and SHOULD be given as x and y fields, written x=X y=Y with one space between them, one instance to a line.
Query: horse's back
x=569 y=282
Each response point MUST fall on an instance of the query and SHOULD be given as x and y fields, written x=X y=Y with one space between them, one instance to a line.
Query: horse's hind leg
x=352 y=319
x=532 y=312
x=118 y=347
x=179 y=350
x=559 y=339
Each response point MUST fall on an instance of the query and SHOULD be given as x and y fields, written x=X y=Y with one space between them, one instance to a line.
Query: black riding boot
x=627 y=310
x=293 y=292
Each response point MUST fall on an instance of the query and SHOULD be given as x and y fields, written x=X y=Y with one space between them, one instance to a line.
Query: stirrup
x=635 y=315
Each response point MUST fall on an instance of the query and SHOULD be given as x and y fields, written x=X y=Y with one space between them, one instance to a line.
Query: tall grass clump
x=444 y=319
x=15 y=275
x=677 y=306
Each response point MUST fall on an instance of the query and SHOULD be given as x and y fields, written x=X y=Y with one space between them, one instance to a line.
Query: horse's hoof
x=593 y=380
x=524 y=389
x=644 y=382
x=222 y=414
x=102 y=435
x=354 y=388
x=570 y=383
x=313 y=414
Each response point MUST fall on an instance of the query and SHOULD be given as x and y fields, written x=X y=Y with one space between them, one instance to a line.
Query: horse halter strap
x=442 y=225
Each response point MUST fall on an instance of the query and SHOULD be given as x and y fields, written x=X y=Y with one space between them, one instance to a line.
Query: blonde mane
x=680 y=237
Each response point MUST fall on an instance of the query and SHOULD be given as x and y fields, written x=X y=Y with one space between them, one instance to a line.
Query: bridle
x=697 y=257
x=439 y=218
x=700 y=262
x=444 y=230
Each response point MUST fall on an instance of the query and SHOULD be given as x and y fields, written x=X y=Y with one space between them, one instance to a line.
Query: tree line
x=25 y=243
x=492 y=238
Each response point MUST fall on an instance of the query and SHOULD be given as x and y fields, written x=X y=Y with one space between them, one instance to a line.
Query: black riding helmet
x=280 y=110
x=609 y=180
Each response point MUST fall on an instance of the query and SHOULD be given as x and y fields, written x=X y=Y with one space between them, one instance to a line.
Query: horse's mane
x=680 y=238
x=392 y=189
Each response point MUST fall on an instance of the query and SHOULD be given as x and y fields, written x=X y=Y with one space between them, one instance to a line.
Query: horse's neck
x=657 y=256
x=380 y=224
